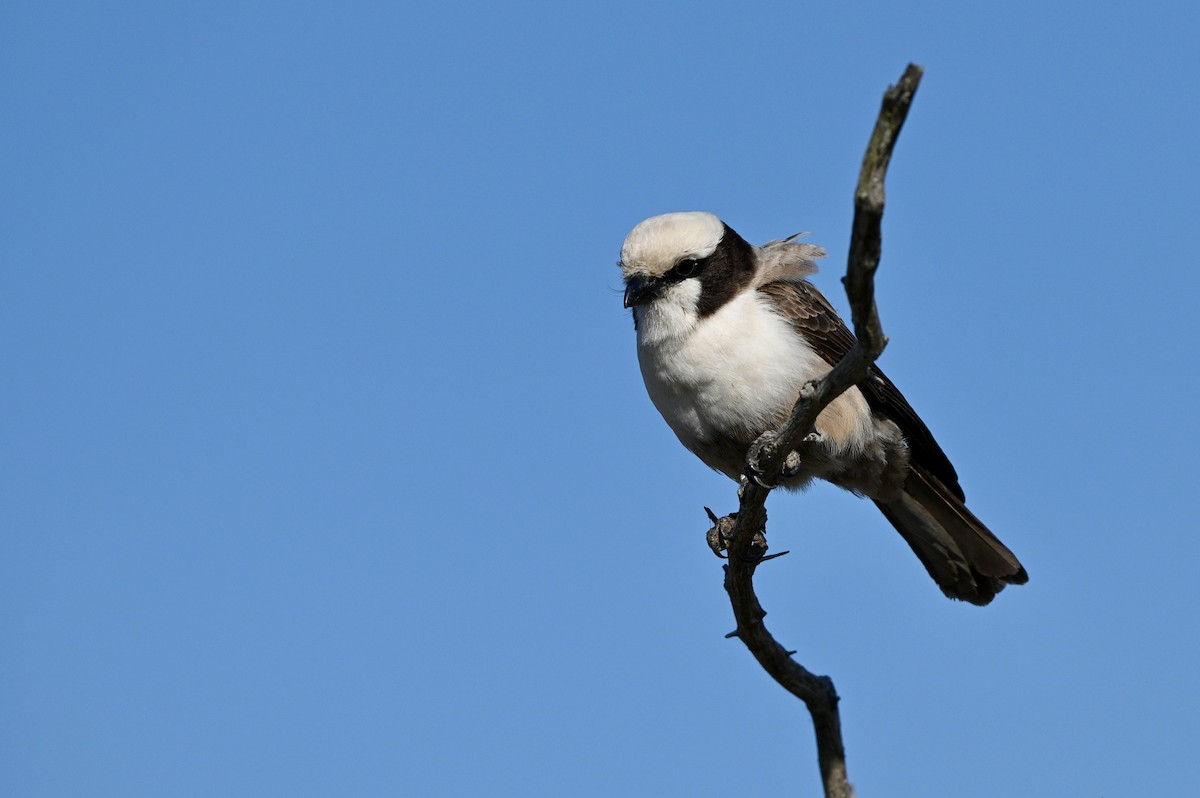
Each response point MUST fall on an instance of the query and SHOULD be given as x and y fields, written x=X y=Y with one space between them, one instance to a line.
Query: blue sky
x=327 y=465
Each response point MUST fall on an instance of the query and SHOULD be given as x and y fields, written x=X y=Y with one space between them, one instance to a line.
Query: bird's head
x=683 y=267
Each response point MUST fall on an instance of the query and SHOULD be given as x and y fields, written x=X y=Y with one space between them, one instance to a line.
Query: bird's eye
x=687 y=268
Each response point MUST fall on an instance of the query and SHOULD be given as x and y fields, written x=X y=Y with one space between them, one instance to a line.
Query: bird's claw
x=753 y=471
x=792 y=464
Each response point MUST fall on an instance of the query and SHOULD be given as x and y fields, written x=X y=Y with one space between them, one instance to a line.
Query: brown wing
x=813 y=317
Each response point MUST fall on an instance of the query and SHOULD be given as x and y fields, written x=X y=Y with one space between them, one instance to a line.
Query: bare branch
x=743 y=531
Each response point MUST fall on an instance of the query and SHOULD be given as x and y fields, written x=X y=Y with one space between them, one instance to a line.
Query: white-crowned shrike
x=728 y=333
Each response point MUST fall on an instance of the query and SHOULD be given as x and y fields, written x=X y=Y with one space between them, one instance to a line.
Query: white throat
x=670 y=317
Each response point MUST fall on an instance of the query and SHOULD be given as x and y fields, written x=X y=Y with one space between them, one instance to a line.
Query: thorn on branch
x=757 y=552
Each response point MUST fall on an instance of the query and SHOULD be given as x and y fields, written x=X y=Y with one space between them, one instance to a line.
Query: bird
x=728 y=333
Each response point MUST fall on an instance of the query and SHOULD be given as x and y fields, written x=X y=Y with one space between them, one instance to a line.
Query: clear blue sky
x=328 y=469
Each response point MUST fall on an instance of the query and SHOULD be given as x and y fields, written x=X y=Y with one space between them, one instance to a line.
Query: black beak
x=639 y=290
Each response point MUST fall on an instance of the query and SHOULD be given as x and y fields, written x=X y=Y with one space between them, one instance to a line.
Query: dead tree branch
x=743 y=531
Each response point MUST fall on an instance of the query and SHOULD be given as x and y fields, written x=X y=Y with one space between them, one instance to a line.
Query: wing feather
x=812 y=316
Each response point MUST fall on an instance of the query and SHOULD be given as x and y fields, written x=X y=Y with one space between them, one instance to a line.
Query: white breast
x=734 y=375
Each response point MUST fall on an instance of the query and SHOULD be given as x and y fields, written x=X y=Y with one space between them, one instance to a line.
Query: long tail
x=966 y=560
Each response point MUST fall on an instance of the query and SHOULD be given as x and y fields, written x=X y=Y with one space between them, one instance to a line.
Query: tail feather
x=966 y=560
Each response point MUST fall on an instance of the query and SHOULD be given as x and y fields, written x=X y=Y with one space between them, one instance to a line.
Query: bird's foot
x=792 y=464
x=754 y=470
